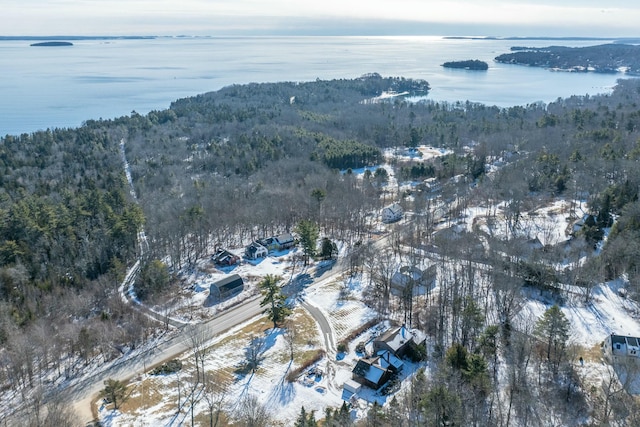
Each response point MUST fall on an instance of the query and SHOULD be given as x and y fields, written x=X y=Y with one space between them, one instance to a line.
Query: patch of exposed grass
x=306 y=331
x=144 y=394
x=311 y=358
x=250 y=330
x=592 y=354
x=305 y=335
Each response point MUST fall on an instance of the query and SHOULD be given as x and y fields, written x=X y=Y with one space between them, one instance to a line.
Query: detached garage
x=227 y=287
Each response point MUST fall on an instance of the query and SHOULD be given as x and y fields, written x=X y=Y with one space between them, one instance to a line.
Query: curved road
x=83 y=391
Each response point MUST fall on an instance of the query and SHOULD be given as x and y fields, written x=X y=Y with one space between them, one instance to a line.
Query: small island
x=471 y=64
x=51 y=44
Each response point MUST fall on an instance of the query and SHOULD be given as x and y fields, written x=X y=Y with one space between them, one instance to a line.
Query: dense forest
x=248 y=161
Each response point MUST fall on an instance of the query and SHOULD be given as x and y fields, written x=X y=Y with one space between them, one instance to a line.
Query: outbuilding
x=227 y=287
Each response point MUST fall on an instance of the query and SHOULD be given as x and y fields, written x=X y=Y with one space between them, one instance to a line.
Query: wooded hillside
x=248 y=161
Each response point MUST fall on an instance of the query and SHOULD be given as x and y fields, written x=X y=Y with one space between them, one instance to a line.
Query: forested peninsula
x=605 y=58
x=223 y=168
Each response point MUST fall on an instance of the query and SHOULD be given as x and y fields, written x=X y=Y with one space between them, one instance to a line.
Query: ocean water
x=49 y=87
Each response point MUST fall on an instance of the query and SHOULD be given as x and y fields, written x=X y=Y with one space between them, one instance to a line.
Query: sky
x=503 y=18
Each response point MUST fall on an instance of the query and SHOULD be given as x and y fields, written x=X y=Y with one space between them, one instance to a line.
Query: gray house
x=278 y=243
x=227 y=287
x=622 y=349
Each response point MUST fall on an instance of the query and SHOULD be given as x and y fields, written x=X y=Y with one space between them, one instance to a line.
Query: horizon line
x=150 y=37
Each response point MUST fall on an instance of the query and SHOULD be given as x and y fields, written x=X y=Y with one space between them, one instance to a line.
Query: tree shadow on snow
x=284 y=392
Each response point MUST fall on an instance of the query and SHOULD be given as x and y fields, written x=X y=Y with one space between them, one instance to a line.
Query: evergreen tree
x=302 y=418
x=343 y=417
x=154 y=278
x=553 y=329
x=311 y=420
x=457 y=357
x=308 y=232
x=115 y=392
x=277 y=309
x=441 y=407
x=328 y=248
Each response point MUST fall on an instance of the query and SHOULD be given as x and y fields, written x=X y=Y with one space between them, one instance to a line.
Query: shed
x=352 y=386
x=224 y=288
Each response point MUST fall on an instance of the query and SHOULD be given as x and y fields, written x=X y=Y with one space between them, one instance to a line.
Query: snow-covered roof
x=394 y=209
x=370 y=370
x=388 y=359
x=397 y=338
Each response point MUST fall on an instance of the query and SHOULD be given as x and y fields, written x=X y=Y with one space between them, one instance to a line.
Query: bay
x=58 y=87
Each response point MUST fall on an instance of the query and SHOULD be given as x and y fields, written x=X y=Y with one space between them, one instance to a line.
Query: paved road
x=85 y=390
x=325 y=327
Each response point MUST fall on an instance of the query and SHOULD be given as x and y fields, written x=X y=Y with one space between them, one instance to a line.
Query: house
x=370 y=373
x=224 y=257
x=227 y=287
x=621 y=348
x=278 y=243
x=574 y=227
x=374 y=372
x=431 y=185
x=398 y=341
x=411 y=277
x=255 y=250
x=392 y=213
x=285 y=241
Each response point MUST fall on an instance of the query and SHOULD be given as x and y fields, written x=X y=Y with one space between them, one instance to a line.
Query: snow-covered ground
x=341 y=303
x=155 y=398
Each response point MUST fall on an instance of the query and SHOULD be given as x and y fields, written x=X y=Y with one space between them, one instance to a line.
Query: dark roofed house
x=411 y=278
x=227 y=287
x=370 y=373
x=224 y=257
